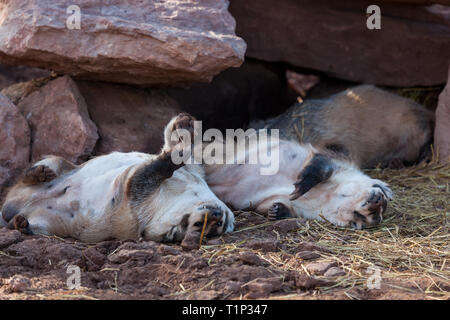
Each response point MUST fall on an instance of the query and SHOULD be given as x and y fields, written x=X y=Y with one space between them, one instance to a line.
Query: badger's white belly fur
x=244 y=187
x=90 y=189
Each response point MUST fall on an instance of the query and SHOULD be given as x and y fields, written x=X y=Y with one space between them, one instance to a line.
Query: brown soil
x=288 y=259
x=244 y=264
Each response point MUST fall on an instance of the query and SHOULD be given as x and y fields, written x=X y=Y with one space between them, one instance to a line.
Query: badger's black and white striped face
x=347 y=198
x=120 y=195
x=183 y=206
x=209 y=219
x=308 y=184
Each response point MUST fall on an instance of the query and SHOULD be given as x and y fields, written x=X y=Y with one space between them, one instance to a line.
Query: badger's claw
x=278 y=211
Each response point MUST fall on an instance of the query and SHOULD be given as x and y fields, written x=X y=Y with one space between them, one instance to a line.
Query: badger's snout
x=216 y=220
x=212 y=212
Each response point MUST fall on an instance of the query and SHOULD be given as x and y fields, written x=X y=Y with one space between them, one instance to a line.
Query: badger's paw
x=184 y=128
x=278 y=211
x=38 y=174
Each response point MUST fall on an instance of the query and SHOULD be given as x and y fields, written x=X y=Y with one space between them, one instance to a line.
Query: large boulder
x=126 y=41
x=442 y=130
x=410 y=49
x=59 y=121
x=14 y=142
x=128 y=118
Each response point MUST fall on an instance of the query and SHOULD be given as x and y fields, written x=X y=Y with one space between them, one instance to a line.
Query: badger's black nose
x=216 y=212
x=213 y=212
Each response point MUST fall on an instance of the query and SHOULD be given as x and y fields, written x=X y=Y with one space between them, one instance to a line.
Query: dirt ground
x=405 y=257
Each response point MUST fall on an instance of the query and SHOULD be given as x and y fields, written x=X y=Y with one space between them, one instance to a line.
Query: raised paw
x=185 y=121
x=21 y=223
x=278 y=211
x=39 y=174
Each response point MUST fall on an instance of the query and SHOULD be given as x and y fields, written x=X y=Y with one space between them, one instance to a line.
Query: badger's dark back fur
x=367 y=124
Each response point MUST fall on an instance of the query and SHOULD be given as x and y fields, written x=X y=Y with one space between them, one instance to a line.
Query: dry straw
x=410 y=247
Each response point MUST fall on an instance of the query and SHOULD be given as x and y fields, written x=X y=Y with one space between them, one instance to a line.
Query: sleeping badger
x=133 y=195
x=369 y=125
x=121 y=196
x=310 y=183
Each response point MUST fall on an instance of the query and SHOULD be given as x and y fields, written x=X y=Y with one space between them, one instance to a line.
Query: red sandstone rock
x=14 y=141
x=59 y=121
x=442 y=130
x=19 y=283
x=126 y=41
x=128 y=118
x=410 y=49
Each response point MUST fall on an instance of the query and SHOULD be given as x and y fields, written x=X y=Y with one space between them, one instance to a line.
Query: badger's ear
x=319 y=169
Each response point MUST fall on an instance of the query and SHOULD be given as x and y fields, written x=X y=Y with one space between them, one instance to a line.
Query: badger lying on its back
x=120 y=195
x=369 y=125
x=309 y=183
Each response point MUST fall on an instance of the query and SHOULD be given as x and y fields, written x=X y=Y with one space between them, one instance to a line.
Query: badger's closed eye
x=198 y=224
x=358 y=215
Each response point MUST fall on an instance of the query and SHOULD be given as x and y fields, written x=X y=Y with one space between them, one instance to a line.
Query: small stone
x=9 y=237
x=166 y=250
x=310 y=246
x=334 y=272
x=205 y=295
x=250 y=258
x=319 y=268
x=264 y=245
x=305 y=282
x=263 y=287
x=285 y=226
x=214 y=242
x=307 y=255
x=124 y=255
x=233 y=286
x=93 y=258
x=19 y=284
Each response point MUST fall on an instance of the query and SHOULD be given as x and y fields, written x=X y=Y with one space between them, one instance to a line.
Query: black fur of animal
x=368 y=125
